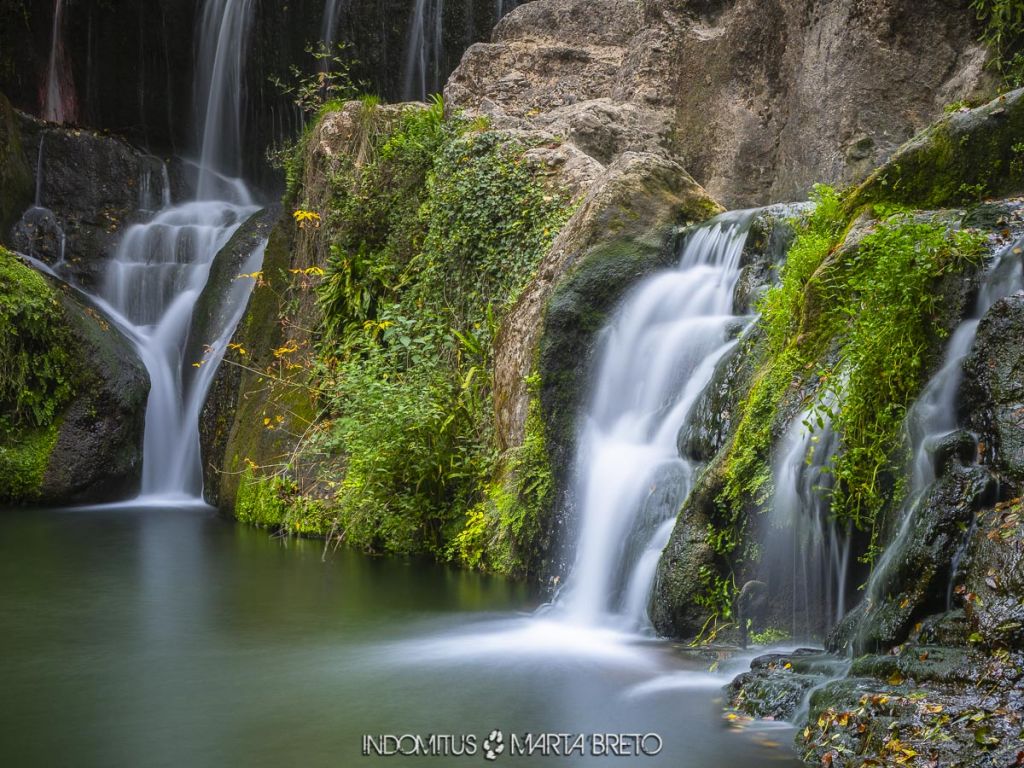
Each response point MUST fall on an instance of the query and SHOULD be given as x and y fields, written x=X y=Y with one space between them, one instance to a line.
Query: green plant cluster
x=435 y=226
x=1003 y=33
x=38 y=375
x=858 y=325
x=502 y=530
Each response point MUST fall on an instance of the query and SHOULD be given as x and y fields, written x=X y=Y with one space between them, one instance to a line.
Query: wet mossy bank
x=382 y=311
x=73 y=395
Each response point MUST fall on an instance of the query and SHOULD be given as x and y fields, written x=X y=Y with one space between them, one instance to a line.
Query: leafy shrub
x=1003 y=33
x=434 y=227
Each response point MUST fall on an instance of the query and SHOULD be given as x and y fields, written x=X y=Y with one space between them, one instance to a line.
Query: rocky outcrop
x=994 y=385
x=89 y=188
x=89 y=448
x=618 y=233
x=756 y=100
x=98 y=453
x=966 y=156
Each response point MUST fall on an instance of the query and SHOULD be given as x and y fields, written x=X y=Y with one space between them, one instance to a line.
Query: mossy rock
x=964 y=157
x=88 y=448
x=236 y=435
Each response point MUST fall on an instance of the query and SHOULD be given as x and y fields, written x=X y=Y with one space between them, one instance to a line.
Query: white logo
x=494 y=745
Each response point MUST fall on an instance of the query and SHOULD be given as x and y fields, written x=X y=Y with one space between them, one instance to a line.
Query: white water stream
x=656 y=356
x=421 y=73
x=160 y=269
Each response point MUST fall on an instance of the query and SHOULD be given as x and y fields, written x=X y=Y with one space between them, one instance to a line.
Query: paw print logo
x=494 y=745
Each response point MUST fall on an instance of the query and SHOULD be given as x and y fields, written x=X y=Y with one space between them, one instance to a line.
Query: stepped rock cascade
x=421 y=74
x=805 y=554
x=161 y=267
x=934 y=416
x=58 y=96
x=655 y=358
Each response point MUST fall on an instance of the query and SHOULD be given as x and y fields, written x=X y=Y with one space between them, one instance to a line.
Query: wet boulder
x=89 y=188
x=91 y=448
x=914 y=578
x=993 y=590
x=993 y=390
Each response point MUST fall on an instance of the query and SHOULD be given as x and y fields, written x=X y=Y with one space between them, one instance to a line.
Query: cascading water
x=224 y=29
x=161 y=267
x=657 y=355
x=805 y=557
x=424 y=49
x=934 y=415
x=329 y=25
x=58 y=98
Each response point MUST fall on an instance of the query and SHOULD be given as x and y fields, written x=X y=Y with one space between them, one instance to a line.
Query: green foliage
x=273 y=502
x=794 y=337
x=768 y=636
x=1003 y=33
x=324 y=87
x=434 y=227
x=716 y=595
x=501 y=531
x=862 y=324
x=38 y=375
x=330 y=81
x=854 y=328
x=891 y=319
x=24 y=457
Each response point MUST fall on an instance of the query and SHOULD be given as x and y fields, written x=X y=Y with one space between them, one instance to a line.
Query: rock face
x=756 y=100
x=15 y=175
x=98 y=453
x=994 y=388
x=89 y=189
x=132 y=62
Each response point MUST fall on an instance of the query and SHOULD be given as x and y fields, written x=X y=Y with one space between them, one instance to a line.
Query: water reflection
x=153 y=637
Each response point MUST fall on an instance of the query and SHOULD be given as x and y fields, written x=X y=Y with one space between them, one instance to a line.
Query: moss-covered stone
x=250 y=389
x=964 y=157
x=74 y=395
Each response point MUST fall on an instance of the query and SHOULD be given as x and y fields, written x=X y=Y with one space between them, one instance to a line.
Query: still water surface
x=171 y=637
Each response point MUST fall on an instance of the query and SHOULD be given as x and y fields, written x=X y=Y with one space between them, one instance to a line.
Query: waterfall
x=329 y=25
x=161 y=267
x=424 y=50
x=934 y=415
x=58 y=97
x=224 y=31
x=805 y=556
x=655 y=358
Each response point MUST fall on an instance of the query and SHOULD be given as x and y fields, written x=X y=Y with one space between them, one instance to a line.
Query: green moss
x=501 y=532
x=24 y=458
x=273 y=502
x=39 y=376
x=34 y=341
x=796 y=334
x=960 y=160
x=854 y=328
